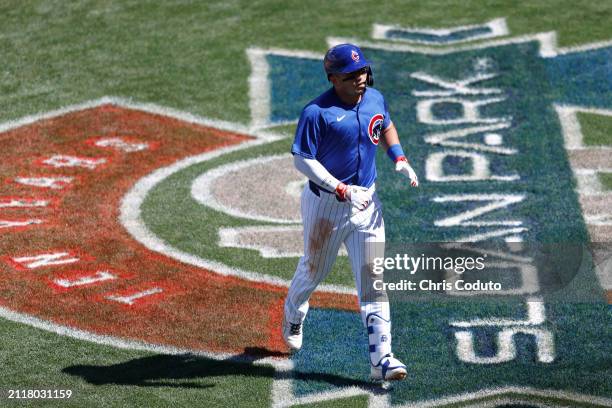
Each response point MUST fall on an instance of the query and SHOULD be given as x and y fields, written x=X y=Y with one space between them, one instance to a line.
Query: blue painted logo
x=486 y=127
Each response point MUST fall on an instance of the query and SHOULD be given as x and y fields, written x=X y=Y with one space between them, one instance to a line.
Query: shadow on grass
x=177 y=370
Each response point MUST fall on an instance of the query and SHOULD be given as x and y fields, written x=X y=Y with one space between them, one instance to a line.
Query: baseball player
x=335 y=147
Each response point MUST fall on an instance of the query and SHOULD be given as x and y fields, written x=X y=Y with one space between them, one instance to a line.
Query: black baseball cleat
x=292 y=334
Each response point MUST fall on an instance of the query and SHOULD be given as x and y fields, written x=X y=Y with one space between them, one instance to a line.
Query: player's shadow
x=180 y=371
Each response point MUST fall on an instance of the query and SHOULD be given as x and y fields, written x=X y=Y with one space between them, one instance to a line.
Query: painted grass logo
x=67 y=259
x=486 y=123
x=473 y=116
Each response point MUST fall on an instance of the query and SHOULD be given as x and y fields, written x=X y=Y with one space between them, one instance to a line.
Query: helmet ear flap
x=370 y=78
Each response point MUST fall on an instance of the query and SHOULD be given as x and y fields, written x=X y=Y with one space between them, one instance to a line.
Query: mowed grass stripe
x=596 y=129
x=110 y=377
x=190 y=55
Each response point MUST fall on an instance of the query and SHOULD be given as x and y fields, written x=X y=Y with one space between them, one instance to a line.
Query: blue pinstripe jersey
x=343 y=138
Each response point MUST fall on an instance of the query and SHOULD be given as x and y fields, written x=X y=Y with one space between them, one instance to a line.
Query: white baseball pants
x=327 y=224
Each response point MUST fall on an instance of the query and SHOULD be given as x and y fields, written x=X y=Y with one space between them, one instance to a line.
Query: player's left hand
x=402 y=166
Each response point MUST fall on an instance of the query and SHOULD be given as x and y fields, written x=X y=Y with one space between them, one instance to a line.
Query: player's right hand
x=359 y=197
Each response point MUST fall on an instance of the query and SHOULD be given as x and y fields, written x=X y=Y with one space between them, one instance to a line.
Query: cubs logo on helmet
x=375 y=127
x=343 y=59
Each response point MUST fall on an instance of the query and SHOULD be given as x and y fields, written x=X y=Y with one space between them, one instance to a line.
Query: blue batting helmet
x=344 y=58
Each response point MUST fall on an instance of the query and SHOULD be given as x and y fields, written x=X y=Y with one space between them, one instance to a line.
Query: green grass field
x=190 y=56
